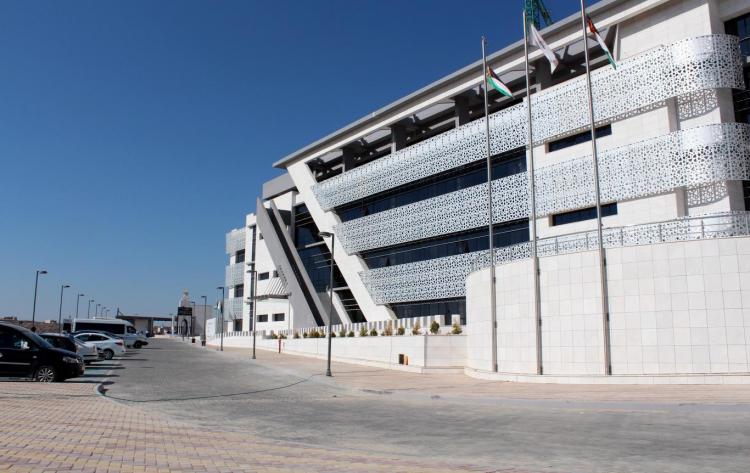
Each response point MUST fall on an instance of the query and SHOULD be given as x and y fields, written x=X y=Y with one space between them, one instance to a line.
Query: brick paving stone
x=68 y=427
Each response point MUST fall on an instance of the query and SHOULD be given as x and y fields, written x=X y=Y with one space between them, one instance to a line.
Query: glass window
x=13 y=340
x=578 y=138
x=262 y=317
x=446 y=307
x=263 y=276
x=239 y=290
x=278 y=317
x=583 y=214
x=240 y=256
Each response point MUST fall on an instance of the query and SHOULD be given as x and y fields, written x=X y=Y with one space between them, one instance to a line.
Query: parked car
x=25 y=354
x=113 y=327
x=88 y=352
x=107 y=345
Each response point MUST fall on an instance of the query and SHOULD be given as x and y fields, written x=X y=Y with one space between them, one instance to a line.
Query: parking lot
x=173 y=406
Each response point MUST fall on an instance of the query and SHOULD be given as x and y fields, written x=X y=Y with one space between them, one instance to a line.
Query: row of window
x=447 y=307
x=465 y=242
x=276 y=317
x=505 y=164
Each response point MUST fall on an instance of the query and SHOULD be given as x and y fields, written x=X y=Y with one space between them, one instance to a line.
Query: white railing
x=446 y=277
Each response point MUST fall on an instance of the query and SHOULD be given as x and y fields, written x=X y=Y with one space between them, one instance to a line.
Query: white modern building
x=404 y=192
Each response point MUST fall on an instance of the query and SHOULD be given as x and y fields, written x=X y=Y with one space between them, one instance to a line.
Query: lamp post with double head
x=59 y=312
x=330 y=306
x=203 y=337
x=36 y=286
x=221 y=312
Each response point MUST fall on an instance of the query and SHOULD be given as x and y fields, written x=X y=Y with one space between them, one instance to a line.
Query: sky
x=135 y=134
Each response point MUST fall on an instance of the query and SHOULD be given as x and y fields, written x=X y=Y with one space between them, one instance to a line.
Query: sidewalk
x=68 y=427
x=373 y=380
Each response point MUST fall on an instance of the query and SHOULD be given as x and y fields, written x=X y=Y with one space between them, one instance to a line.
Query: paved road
x=228 y=391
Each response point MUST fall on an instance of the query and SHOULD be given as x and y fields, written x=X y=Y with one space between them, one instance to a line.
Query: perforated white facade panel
x=691 y=65
x=235 y=241
x=702 y=155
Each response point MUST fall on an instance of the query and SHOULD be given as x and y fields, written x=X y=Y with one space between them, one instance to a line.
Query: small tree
x=416 y=329
x=304 y=335
x=373 y=333
x=456 y=329
x=333 y=334
x=400 y=331
x=363 y=332
x=350 y=334
x=342 y=332
x=434 y=327
x=282 y=337
x=388 y=331
x=296 y=334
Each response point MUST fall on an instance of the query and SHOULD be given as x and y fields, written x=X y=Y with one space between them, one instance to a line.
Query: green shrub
x=314 y=334
x=333 y=334
x=416 y=329
x=350 y=334
x=373 y=333
x=434 y=327
x=304 y=334
x=342 y=333
x=296 y=334
x=363 y=332
x=456 y=329
x=400 y=331
x=282 y=337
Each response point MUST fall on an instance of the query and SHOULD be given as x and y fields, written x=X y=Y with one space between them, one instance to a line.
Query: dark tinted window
x=447 y=307
x=240 y=256
x=262 y=276
x=583 y=214
x=578 y=138
x=505 y=164
x=239 y=290
x=262 y=317
x=11 y=339
x=278 y=317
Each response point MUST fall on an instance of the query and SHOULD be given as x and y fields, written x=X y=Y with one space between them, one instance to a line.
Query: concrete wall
x=424 y=352
x=679 y=308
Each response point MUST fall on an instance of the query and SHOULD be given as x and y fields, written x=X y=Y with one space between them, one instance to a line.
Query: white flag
x=538 y=41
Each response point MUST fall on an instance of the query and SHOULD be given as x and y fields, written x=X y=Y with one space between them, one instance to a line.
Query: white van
x=121 y=328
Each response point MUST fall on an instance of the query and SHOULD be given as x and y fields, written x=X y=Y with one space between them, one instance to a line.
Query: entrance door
x=17 y=353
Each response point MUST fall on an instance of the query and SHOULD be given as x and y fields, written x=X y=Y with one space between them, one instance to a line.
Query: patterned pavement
x=68 y=427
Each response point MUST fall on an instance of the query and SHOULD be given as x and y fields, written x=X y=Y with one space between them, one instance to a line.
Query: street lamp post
x=88 y=311
x=330 y=307
x=59 y=312
x=254 y=276
x=221 y=311
x=33 y=310
x=78 y=300
x=192 y=323
x=96 y=310
x=203 y=338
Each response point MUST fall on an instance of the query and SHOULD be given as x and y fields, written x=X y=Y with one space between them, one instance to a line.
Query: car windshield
x=37 y=339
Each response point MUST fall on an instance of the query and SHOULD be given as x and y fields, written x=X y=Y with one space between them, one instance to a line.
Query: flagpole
x=532 y=189
x=602 y=258
x=493 y=308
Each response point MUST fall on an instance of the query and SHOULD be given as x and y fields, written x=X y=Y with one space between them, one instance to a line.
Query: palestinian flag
x=497 y=84
x=595 y=33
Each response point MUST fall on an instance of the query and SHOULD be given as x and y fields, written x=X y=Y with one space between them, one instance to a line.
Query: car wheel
x=137 y=344
x=45 y=374
x=108 y=354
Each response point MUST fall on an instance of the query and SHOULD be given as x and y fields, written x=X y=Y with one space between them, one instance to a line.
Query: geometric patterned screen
x=688 y=66
x=235 y=241
x=701 y=155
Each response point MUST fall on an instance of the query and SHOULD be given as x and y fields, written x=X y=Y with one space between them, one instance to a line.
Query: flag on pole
x=538 y=41
x=595 y=33
x=497 y=84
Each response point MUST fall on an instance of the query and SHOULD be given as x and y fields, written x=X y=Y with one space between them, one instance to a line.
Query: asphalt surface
x=231 y=392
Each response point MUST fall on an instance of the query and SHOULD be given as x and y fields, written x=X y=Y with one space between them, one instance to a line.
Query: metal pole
x=59 y=312
x=255 y=286
x=33 y=310
x=602 y=258
x=78 y=300
x=330 y=306
x=532 y=191
x=493 y=309
x=88 y=311
x=203 y=337
x=221 y=311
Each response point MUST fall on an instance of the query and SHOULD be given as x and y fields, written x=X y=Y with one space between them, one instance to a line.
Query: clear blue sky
x=134 y=134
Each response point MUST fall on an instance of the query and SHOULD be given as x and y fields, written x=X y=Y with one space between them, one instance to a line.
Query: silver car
x=88 y=351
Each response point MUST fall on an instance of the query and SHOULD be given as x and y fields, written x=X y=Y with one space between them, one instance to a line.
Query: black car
x=59 y=340
x=25 y=354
